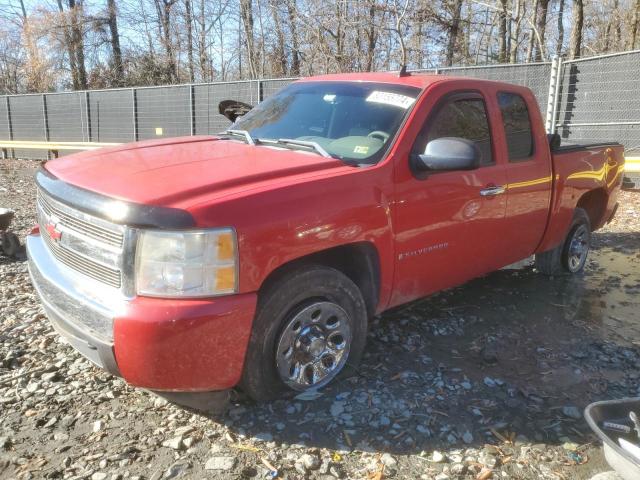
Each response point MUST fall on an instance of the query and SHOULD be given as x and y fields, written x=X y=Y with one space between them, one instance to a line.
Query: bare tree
x=188 y=20
x=633 y=31
x=560 y=43
x=502 y=27
x=453 y=30
x=576 y=29
x=541 y=28
x=516 y=21
x=112 y=20
x=163 y=10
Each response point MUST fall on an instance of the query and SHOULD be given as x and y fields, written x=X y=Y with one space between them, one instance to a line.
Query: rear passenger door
x=528 y=168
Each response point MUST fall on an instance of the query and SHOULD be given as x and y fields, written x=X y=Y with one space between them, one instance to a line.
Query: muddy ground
x=487 y=380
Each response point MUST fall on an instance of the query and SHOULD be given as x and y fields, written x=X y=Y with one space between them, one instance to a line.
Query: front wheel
x=571 y=255
x=310 y=328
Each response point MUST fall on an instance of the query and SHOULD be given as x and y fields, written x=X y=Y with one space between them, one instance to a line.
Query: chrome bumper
x=79 y=308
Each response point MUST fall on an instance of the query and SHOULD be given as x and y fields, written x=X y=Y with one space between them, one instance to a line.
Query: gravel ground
x=462 y=385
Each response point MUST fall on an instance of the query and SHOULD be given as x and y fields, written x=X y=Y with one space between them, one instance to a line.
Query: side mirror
x=554 y=140
x=448 y=153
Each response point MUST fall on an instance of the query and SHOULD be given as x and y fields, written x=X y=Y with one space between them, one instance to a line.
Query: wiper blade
x=305 y=145
x=241 y=133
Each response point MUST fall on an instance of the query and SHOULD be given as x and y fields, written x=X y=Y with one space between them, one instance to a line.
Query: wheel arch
x=594 y=202
x=359 y=261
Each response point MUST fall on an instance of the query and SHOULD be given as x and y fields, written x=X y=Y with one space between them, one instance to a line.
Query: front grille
x=88 y=245
x=79 y=225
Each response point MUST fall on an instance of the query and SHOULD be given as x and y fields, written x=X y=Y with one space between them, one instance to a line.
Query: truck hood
x=170 y=172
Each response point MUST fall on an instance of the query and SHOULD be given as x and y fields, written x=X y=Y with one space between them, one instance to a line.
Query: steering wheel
x=384 y=136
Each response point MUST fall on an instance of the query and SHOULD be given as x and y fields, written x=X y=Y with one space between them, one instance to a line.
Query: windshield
x=351 y=121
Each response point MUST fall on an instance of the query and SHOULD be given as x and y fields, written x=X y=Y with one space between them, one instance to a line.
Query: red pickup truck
x=256 y=257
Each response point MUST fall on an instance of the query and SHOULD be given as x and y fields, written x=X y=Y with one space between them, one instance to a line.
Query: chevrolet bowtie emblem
x=53 y=232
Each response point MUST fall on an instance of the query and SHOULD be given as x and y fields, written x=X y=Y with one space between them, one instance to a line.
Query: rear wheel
x=309 y=329
x=571 y=255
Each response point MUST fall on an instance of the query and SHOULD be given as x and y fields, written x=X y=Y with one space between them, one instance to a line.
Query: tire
x=302 y=317
x=570 y=256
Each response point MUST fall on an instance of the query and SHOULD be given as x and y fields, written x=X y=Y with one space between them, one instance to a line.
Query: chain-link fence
x=598 y=100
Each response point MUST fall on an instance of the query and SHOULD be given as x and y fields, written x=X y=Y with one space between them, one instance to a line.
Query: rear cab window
x=517 y=126
x=463 y=116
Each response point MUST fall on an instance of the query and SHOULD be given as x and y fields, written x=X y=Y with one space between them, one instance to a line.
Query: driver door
x=449 y=224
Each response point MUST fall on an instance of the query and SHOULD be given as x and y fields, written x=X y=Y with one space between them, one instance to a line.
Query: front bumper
x=159 y=344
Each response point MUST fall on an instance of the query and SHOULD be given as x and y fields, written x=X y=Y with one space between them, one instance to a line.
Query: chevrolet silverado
x=254 y=258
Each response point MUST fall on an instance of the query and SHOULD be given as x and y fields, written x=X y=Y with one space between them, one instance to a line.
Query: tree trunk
x=203 y=57
x=532 y=32
x=541 y=25
x=77 y=36
x=576 y=29
x=560 y=28
x=280 y=56
x=246 y=13
x=454 y=29
x=502 y=27
x=163 y=8
x=118 y=68
x=68 y=40
x=633 y=31
x=295 y=41
x=372 y=37
x=189 y=27
x=515 y=35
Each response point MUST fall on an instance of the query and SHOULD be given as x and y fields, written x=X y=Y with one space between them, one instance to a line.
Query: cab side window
x=463 y=118
x=517 y=126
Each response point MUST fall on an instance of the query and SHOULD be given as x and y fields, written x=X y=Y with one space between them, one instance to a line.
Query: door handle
x=492 y=191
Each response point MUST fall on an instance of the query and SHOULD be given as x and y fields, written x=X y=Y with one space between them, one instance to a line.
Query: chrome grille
x=79 y=225
x=88 y=245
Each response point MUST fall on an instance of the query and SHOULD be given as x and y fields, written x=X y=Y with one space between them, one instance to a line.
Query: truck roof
x=419 y=80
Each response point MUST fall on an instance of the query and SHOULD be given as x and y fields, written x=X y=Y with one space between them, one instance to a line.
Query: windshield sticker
x=389 y=98
x=361 y=149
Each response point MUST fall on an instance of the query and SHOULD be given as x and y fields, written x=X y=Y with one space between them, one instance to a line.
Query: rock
x=176 y=470
x=50 y=376
x=99 y=476
x=310 y=462
x=572 y=412
x=337 y=408
x=437 y=457
x=458 y=468
x=388 y=461
x=489 y=382
x=220 y=463
x=467 y=437
x=98 y=425
x=175 y=443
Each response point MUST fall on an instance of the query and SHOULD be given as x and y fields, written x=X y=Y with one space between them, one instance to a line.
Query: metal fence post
x=553 y=98
x=87 y=107
x=192 y=109
x=134 y=105
x=5 y=152
x=46 y=122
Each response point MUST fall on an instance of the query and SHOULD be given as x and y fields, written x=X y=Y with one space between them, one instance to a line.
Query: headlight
x=195 y=263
